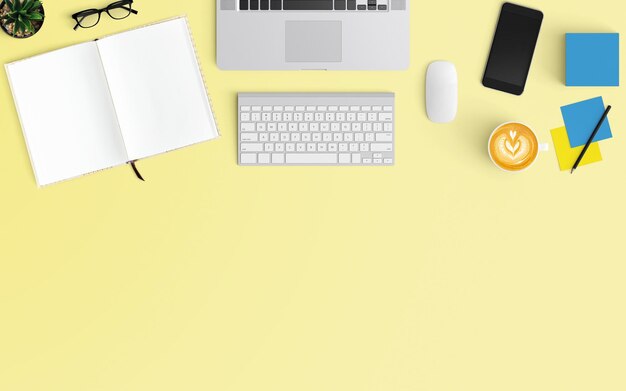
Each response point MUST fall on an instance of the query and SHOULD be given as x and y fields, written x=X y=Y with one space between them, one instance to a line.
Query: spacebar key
x=307 y=4
x=311 y=158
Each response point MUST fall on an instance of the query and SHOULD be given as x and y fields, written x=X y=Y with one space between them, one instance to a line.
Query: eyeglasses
x=118 y=10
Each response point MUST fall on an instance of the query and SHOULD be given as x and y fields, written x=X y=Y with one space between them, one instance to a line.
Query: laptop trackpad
x=313 y=41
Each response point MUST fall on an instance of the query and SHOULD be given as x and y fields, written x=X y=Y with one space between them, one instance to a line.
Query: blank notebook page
x=157 y=87
x=66 y=112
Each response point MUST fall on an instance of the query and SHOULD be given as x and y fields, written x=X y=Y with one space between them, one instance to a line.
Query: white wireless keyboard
x=324 y=129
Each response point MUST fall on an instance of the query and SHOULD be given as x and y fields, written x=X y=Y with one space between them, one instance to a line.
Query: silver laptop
x=313 y=34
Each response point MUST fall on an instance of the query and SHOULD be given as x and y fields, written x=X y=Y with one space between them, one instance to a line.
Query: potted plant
x=21 y=18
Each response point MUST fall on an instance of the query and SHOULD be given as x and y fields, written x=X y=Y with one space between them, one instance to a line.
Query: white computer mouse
x=442 y=92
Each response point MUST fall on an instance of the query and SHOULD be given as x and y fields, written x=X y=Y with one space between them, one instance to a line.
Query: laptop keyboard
x=313 y=5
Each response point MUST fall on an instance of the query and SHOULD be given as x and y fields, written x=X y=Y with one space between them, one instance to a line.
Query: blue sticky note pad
x=592 y=60
x=581 y=119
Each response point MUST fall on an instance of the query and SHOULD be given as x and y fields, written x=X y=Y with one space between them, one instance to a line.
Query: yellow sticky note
x=567 y=155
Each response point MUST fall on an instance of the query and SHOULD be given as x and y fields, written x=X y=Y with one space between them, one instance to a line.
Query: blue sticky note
x=592 y=60
x=581 y=119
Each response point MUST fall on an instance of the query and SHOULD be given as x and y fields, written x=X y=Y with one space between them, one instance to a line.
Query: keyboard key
x=276 y=4
x=340 y=5
x=265 y=4
x=251 y=147
x=244 y=108
x=256 y=108
x=378 y=161
x=311 y=158
x=278 y=158
x=248 y=127
x=247 y=137
x=388 y=161
x=264 y=137
x=381 y=147
x=384 y=137
x=344 y=158
x=361 y=7
x=264 y=158
x=388 y=108
x=356 y=158
x=248 y=158
x=351 y=5
x=289 y=108
x=307 y=5
x=268 y=147
x=254 y=4
x=385 y=117
x=382 y=7
x=245 y=117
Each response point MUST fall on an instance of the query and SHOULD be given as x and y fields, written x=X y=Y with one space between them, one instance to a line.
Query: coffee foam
x=513 y=147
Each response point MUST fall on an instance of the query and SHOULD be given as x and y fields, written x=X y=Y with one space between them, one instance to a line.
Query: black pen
x=593 y=135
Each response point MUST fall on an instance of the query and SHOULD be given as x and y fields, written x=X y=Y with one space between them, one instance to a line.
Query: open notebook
x=104 y=103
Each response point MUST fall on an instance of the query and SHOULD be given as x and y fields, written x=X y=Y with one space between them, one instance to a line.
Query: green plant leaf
x=36 y=16
x=20 y=26
x=27 y=4
x=37 y=5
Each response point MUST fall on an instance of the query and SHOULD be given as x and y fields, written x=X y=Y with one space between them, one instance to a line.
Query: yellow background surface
x=441 y=273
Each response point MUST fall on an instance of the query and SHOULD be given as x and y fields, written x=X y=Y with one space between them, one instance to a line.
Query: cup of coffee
x=514 y=147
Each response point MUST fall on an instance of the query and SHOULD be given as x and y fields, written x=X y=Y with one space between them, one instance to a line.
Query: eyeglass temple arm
x=77 y=26
x=131 y=10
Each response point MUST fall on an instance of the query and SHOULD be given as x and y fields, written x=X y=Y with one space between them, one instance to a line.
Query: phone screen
x=513 y=48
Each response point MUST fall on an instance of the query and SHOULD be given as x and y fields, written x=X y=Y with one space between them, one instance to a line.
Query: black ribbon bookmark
x=132 y=164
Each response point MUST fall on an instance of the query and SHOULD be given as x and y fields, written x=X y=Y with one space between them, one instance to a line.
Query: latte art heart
x=513 y=147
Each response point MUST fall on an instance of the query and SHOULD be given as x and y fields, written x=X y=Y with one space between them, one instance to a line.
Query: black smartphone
x=512 y=48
